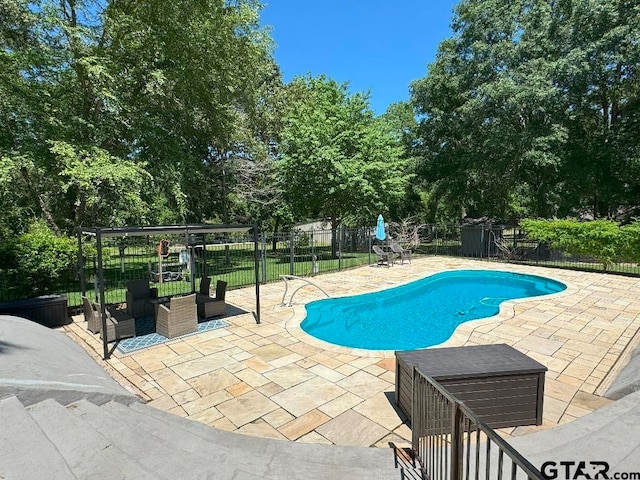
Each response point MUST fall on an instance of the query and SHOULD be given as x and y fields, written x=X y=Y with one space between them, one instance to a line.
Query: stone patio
x=273 y=380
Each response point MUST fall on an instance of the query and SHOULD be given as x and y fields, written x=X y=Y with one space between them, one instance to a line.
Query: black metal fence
x=509 y=244
x=230 y=257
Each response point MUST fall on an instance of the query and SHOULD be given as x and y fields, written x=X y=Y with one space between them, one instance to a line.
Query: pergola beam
x=163 y=230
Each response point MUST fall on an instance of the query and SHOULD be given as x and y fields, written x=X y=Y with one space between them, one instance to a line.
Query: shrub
x=601 y=239
x=630 y=241
x=301 y=239
x=43 y=260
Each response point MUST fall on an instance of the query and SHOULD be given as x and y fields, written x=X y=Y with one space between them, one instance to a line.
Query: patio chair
x=138 y=292
x=91 y=315
x=119 y=324
x=179 y=319
x=211 y=307
x=401 y=253
x=205 y=285
x=383 y=257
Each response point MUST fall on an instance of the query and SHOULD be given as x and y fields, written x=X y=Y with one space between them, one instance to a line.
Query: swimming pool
x=422 y=313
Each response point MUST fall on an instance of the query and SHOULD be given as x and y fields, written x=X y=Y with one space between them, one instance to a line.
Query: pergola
x=107 y=232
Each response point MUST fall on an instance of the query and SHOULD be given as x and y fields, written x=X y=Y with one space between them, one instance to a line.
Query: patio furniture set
x=173 y=317
x=395 y=252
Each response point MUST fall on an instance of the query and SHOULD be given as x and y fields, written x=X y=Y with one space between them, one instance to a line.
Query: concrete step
x=556 y=437
x=612 y=442
x=88 y=454
x=172 y=434
x=149 y=450
x=20 y=434
x=630 y=463
x=256 y=457
x=320 y=459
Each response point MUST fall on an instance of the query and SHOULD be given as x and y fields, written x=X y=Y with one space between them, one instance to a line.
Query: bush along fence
x=599 y=245
x=170 y=263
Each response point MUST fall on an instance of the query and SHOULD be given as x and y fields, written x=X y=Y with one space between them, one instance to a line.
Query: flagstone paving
x=273 y=380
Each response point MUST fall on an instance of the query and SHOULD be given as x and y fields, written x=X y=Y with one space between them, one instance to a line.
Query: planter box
x=501 y=385
x=47 y=310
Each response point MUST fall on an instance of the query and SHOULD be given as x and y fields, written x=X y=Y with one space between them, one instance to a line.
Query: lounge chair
x=119 y=324
x=179 y=319
x=401 y=253
x=138 y=292
x=211 y=307
x=383 y=257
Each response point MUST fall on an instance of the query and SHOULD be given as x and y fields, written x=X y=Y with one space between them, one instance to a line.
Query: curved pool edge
x=293 y=327
x=460 y=336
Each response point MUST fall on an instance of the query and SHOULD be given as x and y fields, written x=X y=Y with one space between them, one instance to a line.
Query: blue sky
x=377 y=46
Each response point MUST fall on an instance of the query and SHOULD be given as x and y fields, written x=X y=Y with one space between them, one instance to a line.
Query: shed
x=478 y=237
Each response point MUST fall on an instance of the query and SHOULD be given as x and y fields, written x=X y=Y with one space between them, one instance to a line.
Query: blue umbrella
x=380 y=233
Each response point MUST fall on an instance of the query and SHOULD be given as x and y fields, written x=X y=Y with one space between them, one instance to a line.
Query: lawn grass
x=234 y=264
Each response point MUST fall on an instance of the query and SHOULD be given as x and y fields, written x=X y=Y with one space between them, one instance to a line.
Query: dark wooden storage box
x=501 y=385
x=47 y=310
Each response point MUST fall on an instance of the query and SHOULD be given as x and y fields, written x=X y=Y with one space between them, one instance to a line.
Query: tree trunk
x=334 y=237
x=40 y=200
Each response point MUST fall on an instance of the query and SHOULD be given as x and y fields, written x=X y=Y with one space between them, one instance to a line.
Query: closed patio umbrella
x=380 y=232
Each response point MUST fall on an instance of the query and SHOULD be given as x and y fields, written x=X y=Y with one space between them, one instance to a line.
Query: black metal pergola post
x=103 y=306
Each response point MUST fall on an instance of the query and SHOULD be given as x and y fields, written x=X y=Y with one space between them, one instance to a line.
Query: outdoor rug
x=147 y=337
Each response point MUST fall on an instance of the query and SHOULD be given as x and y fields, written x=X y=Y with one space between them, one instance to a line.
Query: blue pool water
x=422 y=313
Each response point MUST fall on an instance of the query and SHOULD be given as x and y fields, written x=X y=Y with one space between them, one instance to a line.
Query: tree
x=126 y=102
x=599 y=70
x=191 y=75
x=490 y=132
x=401 y=123
x=338 y=162
x=528 y=109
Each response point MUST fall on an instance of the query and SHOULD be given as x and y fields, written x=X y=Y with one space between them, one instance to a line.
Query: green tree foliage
x=531 y=108
x=191 y=76
x=116 y=112
x=339 y=162
x=124 y=112
x=400 y=121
